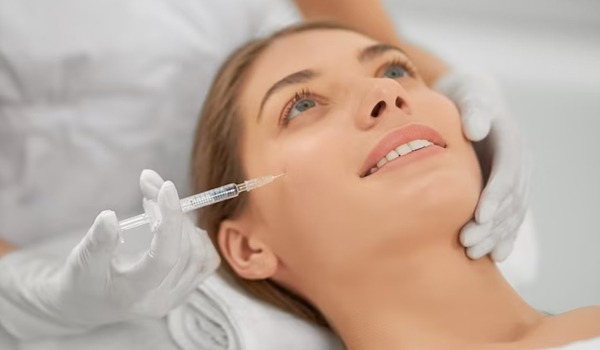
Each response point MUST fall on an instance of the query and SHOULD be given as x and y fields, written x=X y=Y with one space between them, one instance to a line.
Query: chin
x=450 y=201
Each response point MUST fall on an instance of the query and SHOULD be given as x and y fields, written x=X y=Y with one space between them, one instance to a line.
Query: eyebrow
x=292 y=79
x=366 y=54
x=369 y=53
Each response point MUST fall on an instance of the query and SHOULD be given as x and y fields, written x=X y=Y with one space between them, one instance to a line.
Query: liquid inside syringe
x=200 y=200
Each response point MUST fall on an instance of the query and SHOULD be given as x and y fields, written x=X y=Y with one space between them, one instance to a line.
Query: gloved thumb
x=150 y=184
x=96 y=249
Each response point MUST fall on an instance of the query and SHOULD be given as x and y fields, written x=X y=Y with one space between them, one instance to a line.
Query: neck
x=424 y=299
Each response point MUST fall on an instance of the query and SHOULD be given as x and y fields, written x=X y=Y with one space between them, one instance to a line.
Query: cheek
x=302 y=211
x=467 y=175
x=439 y=111
x=461 y=182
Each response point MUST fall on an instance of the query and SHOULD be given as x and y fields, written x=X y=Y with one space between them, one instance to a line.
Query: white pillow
x=220 y=315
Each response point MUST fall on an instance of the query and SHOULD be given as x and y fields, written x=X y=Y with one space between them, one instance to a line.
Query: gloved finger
x=163 y=254
x=205 y=260
x=515 y=208
x=476 y=120
x=511 y=212
x=473 y=233
x=524 y=186
x=502 y=178
x=482 y=248
x=96 y=249
x=471 y=94
x=508 y=228
x=503 y=249
x=185 y=257
x=150 y=184
x=507 y=208
x=186 y=282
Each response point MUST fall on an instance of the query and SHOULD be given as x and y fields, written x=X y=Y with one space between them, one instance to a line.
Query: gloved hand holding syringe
x=92 y=287
x=152 y=215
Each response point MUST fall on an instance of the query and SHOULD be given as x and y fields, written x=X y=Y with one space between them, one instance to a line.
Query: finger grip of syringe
x=213 y=196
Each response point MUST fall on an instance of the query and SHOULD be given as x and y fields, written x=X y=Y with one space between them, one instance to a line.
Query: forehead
x=311 y=49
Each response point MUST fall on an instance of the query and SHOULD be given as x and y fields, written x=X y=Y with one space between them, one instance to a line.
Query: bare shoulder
x=575 y=325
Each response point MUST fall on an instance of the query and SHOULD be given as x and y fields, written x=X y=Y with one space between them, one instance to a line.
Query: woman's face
x=325 y=107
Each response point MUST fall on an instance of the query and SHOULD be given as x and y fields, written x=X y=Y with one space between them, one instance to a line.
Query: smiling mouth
x=400 y=151
x=399 y=143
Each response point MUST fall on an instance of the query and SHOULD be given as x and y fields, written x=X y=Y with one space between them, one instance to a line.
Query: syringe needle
x=250 y=185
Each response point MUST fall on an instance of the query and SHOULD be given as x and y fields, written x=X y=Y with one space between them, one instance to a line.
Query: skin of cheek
x=306 y=208
x=464 y=183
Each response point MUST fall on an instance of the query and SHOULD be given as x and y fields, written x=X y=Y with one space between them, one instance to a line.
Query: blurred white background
x=546 y=55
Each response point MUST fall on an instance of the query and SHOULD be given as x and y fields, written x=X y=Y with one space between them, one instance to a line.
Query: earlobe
x=247 y=255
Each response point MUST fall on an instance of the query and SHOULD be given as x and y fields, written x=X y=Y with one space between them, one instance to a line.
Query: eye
x=301 y=106
x=300 y=103
x=395 y=71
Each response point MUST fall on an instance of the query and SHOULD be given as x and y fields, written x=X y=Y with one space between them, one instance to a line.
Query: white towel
x=222 y=316
x=589 y=344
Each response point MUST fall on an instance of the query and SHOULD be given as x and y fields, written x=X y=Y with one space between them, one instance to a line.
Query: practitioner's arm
x=5 y=248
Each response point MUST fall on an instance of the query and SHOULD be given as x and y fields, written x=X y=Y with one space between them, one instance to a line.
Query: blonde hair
x=217 y=142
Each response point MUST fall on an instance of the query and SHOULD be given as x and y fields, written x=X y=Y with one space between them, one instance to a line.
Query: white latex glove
x=44 y=297
x=503 y=202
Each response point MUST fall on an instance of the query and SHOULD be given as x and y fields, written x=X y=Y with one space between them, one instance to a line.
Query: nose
x=380 y=106
x=382 y=97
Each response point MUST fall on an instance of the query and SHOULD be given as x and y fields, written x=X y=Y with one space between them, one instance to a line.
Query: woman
x=361 y=234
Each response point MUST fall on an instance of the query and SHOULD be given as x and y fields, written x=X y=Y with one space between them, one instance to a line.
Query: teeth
x=381 y=162
x=391 y=156
x=404 y=149
x=418 y=144
x=400 y=151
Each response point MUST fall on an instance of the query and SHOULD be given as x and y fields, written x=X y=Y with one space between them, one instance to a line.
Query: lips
x=416 y=135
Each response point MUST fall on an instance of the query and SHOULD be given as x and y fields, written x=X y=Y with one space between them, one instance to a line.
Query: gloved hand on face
x=43 y=297
x=503 y=202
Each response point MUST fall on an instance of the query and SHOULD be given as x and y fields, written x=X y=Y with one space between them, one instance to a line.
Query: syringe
x=200 y=200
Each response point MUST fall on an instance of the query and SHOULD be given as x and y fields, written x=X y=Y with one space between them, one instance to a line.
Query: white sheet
x=589 y=344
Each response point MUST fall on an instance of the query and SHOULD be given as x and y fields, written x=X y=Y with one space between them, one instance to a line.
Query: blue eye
x=300 y=107
x=395 y=71
x=300 y=103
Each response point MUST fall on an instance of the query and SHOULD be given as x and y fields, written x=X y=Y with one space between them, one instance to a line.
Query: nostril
x=379 y=107
x=399 y=102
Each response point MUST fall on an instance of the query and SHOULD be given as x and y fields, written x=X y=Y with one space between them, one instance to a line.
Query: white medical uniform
x=92 y=92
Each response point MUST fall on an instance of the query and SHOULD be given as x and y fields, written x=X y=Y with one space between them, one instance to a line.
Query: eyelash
x=305 y=93
x=298 y=96
x=404 y=63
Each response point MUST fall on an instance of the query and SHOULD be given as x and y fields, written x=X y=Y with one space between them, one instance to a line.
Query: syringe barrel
x=213 y=196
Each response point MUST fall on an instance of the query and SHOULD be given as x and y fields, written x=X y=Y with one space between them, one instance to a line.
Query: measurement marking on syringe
x=205 y=198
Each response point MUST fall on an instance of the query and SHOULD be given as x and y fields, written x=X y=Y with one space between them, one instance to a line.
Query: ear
x=247 y=254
